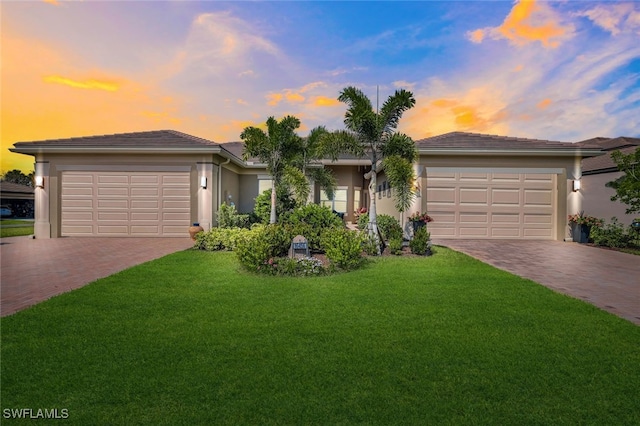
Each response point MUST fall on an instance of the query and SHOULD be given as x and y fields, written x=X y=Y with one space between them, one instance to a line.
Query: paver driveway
x=607 y=279
x=35 y=270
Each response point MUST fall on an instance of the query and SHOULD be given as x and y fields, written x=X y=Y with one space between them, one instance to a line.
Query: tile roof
x=604 y=163
x=155 y=138
x=15 y=188
x=462 y=140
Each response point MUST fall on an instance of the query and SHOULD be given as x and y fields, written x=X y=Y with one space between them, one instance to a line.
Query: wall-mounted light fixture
x=576 y=185
x=39 y=181
x=203 y=182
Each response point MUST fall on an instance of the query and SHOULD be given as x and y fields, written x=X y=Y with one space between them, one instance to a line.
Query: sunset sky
x=563 y=71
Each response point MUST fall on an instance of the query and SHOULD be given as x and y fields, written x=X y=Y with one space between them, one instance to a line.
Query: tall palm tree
x=277 y=148
x=372 y=133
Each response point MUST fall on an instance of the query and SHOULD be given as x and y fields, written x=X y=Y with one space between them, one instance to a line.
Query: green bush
x=220 y=239
x=343 y=248
x=310 y=221
x=363 y=221
x=299 y=266
x=420 y=242
x=262 y=245
x=389 y=227
x=611 y=235
x=284 y=204
x=395 y=246
x=228 y=217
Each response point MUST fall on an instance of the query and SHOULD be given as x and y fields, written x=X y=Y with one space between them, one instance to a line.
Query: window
x=263 y=184
x=339 y=202
x=357 y=193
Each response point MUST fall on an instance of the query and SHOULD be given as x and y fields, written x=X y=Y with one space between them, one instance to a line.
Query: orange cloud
x=87 y=84
x=323 y=101
x=53 y=2
x=274 y=98
x=476 y=36
x=528 y=21
x=543 y=104
x=294 y=97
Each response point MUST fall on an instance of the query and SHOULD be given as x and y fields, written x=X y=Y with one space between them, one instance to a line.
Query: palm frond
x=394 y=107
x=400 y=144
x=400 y=175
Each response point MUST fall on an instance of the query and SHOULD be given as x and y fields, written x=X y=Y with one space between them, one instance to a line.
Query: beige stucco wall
x=596 y=198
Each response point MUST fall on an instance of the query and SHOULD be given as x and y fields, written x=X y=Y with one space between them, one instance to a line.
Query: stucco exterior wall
x=596 y=198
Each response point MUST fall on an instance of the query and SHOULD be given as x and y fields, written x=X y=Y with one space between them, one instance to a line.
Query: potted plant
x=418 y=220
x=581 y=226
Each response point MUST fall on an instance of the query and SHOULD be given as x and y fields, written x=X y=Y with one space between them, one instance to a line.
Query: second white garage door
x=137 y=204
x=468 y=204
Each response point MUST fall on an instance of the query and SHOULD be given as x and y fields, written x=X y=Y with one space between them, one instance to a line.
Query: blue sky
x=551 y=70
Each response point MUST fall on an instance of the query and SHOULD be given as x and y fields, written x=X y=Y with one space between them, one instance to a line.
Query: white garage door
x=137 y=204
x=467 y=204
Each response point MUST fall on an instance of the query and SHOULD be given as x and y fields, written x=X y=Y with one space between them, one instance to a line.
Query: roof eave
x=512 y=152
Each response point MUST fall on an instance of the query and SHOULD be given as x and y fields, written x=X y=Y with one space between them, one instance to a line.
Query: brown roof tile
x=155 y=138
x=15 y=188
x=462 y=140
x=603 y=163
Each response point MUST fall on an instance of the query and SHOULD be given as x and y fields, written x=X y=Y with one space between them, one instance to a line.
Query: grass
x=13 y=230
x=192 y=339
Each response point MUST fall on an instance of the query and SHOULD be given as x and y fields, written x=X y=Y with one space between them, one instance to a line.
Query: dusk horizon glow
x=563 y=71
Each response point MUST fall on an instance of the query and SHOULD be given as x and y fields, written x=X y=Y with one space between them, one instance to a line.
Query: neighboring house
x=18 y=198
x=597 y=172
x=157 y=183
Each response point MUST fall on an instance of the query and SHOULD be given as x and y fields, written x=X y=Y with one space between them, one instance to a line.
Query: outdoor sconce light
x=576 y=185
x=39 y=181
x=203 y=182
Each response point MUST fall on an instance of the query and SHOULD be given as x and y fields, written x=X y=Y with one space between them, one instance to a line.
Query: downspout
x=220 y=182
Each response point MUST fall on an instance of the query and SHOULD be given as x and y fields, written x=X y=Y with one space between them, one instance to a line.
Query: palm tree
x=277 y=148
x=372 y=133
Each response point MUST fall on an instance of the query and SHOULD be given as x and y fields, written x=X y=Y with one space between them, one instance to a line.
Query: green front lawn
x=192 y=339
x=13 y=230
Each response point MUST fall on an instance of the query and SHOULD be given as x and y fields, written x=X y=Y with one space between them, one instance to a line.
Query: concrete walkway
x=605 y=278
x=36 y=270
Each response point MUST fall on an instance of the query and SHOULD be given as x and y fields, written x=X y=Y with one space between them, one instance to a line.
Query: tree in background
x=627 y=186
x=372 y=133
x=290 y=159
x=16 y=176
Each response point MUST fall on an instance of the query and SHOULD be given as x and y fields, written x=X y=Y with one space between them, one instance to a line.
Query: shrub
x=284 y=204
x=299 y=266
x=343 y=248
x=420 y=244
x=395 y=246
x=219 y=239
x=611 y=235
x=363 y=221
x=389 y=227
x=263 y=244
x=369 y=244
x=228 y=217
x=310 y=221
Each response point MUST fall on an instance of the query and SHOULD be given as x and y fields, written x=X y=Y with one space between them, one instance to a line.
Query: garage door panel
x=491 y=204
x=537 y=197
x=505 y=232
x=150 y=203
x=113 y=192
x=112 y=203
x=113 y=179
x=142 y=191
x=475 y=218
x=111 y=216
x=145 y=180
x=125 y=204
x=76 y=203
x=504 y=218
x=474 y=196
x=505 y=197
x=473 y=232
x=441 y=196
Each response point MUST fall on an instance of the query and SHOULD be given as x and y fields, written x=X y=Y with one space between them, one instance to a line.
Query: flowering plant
x=420 y=217
x=582 y=219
